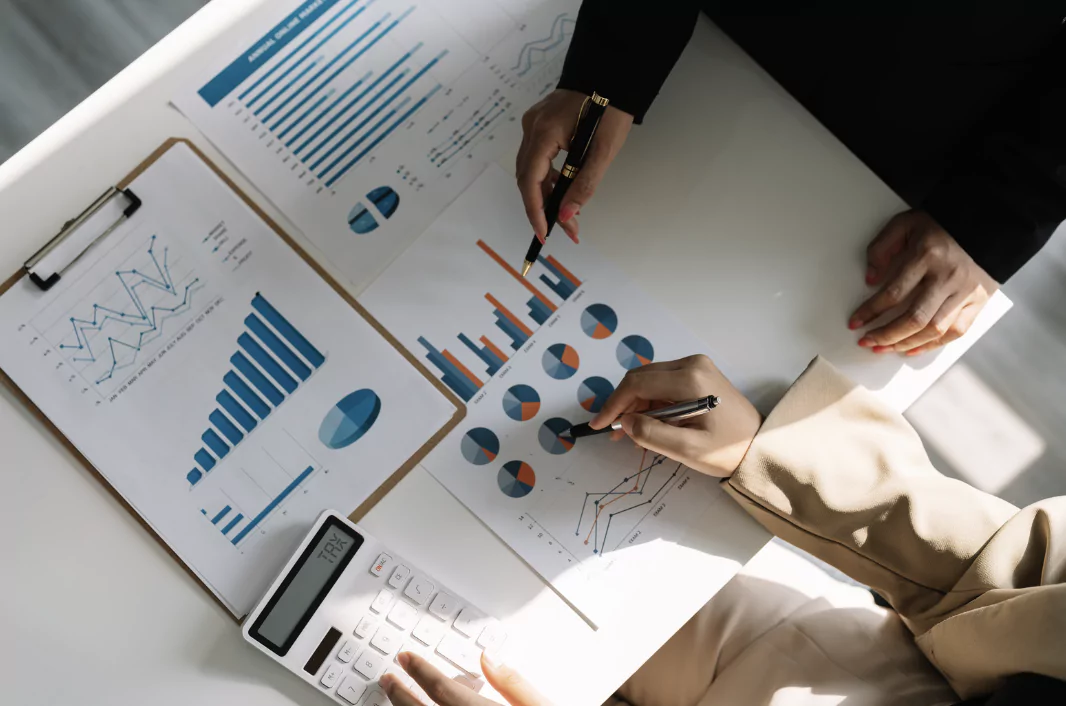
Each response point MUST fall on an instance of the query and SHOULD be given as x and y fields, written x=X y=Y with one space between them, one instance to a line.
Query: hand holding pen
x=711 y=443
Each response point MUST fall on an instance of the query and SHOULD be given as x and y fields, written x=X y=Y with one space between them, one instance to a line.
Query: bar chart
x=457 y=376
x=272 y=360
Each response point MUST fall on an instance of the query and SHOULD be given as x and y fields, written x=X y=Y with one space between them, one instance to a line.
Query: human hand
x=942 y=287
x=448 y=692
x=546 y=129
x=713 y=443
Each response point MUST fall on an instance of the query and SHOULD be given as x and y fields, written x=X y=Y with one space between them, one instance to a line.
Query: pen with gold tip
x=588 y=120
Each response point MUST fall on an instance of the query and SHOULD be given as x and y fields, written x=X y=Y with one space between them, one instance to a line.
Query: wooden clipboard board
x=378 y=494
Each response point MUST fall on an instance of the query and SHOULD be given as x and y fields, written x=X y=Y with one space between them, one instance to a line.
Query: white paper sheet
x=597 y=519
x=362 y=119
x=155 y=355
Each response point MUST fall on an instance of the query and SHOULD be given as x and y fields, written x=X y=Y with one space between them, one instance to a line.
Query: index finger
x=644 y=384
x=533 y=168
x=440 y=689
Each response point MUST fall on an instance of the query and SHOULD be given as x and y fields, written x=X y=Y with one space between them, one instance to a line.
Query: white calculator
x=345 y=605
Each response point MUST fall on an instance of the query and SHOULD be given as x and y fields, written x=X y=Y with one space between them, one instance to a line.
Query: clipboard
x=47 y=266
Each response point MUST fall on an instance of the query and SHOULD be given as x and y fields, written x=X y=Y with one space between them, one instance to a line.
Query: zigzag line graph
x=148 y=318
x=542 y=46
x=640 y=480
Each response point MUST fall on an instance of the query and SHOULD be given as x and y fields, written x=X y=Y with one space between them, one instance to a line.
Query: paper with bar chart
x=531 y=357
x=215 y=380
x=362 y=119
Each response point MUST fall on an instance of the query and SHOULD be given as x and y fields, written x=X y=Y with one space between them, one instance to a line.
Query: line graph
x=535 y=53
x=112 y=325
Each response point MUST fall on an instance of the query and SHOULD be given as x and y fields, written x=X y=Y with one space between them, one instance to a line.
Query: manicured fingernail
x=871 y=275
x=567 y=212
x=866 y=341
x=855 y=323
x=540 y=237
x=914 y=352
x=881 y=349
x=403 y=659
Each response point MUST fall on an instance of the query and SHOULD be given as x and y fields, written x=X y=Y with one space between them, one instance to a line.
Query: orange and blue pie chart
x=516 y=479
x=521 y=403
x=635 y=351
x=480 y=446
x=593 y=393
x=599 y=321
x=554 y=436
x=560 y=361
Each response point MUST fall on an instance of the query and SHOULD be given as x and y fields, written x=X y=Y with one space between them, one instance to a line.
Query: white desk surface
x=732 y=206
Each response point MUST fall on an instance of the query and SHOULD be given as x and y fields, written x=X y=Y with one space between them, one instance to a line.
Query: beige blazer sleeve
x=979 y=582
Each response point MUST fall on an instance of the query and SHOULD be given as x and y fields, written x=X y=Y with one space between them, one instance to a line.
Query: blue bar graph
x=286 y=87
x=257 y=378
x=271 y=366
x=538 y=311
x=232 y=523
x=206 y=460
x=273 y=504
x=215 y=443
x=322 y=114
x=352 y=118
x=194 y=476
x=235 y=410
x=317 y=104
x=270 y=72
x=373 y=128
x=286 y=329
x=254 y=402
x=318 y=74
x=279 y=349
x=399 y=121
x=562 y=286
x=492 y=361
x=228 y=428
x=221 y=513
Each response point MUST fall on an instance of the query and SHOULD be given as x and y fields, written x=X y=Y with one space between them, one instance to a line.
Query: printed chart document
x=216 y=381
x=362 y=119
x=609 y=525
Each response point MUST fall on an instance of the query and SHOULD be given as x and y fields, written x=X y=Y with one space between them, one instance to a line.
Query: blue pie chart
x=516 y=479
x=554 y=436
x=360 y=220
x=599 y=321
x=521 y=403
x=480 y=446
x=634 y=352
x=350 y=419
x=593 y=393
x=560 y=361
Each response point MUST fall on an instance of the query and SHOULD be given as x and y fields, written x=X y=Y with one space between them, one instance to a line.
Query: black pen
x=588 y=119
x=673 y=413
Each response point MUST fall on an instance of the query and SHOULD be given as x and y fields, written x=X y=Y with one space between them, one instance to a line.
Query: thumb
x=584 y=186
x=883 y=248
x=678 y=443
x=509 y=683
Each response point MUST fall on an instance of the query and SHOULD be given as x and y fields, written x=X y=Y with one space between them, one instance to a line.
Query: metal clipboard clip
x=79 y=235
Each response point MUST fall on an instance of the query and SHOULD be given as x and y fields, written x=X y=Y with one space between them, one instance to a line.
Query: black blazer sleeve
x=624 y=50
x=1005 y=192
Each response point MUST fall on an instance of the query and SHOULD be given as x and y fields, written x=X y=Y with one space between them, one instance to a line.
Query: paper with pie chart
x=532 y=356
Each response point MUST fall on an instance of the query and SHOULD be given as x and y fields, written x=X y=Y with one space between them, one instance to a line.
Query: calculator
x=345 y=605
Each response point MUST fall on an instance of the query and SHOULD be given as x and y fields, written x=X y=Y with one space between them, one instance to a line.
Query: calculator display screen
x=306 y=585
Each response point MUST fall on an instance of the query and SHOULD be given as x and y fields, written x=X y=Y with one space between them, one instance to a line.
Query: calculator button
x=385 y=639
x=333 y=671
x=492 y=636
x=384 y=561
x=381 y=602
x=348 y=651
x=376 y=698
x=368 y=664
x=463 y=654
x=470 y=622
x=415 y=647
x=399 y=576
x=444 y=606
x=429 y=630
x=397 y=672
x=352 y=689
x=420 y=590
x=403 y=616
x=365 y=626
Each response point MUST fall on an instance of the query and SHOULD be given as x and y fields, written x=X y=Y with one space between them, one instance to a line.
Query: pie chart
x=599 y=321
x=593 y=393
x=521 y=403
x=480 y=446
x=360 y=220
x=554 y=436
x=635 y=351
x=350 y=419
x=560 y=361
x=516 y=479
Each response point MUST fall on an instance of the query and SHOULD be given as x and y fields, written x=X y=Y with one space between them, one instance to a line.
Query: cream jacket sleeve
x=980 y=583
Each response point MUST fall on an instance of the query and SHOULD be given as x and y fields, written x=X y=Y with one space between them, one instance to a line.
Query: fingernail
x=855 y=323
x=386 y=681
x=881 y=349
x=914 y=352
x=493 y=656
x=404 y=659
x=871 y=275
x=540 y=237
x=866 y=341
x=567 y=212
